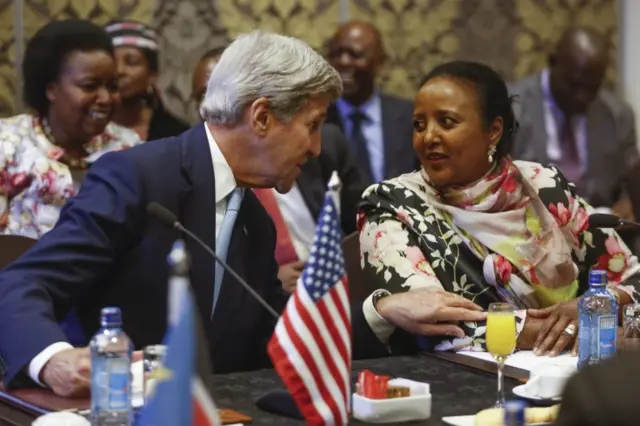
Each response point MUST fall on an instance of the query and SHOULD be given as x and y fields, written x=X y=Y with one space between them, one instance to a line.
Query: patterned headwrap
x=132 y=33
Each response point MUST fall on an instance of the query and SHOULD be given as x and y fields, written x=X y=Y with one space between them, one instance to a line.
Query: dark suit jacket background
x=106 y=251
x=164 y=124
x=397 y=133
x=611 y=139
x=315 y=175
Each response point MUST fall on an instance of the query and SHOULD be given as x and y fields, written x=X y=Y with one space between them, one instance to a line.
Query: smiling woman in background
x=480 y=225
x=70 y=83
x=136 y=52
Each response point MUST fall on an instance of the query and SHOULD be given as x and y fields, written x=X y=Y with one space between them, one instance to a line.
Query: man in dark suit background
x=379 y=126
x=260 y=126
x=567 y=118
x=297 y=211
x=201 y=73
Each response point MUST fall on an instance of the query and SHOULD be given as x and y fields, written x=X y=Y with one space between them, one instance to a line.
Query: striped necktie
x=234 y=200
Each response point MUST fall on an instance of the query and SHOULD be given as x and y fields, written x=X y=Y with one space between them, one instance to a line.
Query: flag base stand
x=279 y=402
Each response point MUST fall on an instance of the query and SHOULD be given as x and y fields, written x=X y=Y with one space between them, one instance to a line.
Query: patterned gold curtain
x=513 y=36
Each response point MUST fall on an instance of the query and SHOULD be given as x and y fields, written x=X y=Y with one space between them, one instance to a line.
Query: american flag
x=311 y=345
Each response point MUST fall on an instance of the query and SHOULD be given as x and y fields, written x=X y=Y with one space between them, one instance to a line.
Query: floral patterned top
x=34 y=181
x=410 y=239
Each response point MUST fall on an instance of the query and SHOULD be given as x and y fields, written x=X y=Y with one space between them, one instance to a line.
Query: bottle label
x=111 y=385
x=119 y=379
x=607 y=335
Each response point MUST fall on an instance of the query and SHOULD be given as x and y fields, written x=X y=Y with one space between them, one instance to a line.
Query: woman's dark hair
x=492 y=93
x=48 y=50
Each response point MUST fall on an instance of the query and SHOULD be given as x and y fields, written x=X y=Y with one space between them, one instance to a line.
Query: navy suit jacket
x=106 y=251
x=397 y=132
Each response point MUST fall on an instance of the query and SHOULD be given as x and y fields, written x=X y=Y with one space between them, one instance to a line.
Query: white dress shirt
x=298 y=219
x=225 y=183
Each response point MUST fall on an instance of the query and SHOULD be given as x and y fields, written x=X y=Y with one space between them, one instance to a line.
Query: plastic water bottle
x=514 y=414
x=598 y=315
x=111 y=351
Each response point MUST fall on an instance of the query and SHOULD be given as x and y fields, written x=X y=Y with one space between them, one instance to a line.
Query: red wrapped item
x=372 y=386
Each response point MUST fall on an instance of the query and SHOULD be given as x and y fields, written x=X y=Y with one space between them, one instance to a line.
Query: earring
x=492 y=152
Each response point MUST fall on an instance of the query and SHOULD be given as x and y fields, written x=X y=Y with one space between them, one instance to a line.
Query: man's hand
x=425 y=312
x=552 y=339
x=289 y=275
x=68 y=373
x=623 y=209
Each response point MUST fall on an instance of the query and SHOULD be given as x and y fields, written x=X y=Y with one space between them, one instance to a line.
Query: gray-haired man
x=265 y=102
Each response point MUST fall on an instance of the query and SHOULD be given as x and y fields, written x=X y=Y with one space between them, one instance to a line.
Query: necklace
x=59 y=153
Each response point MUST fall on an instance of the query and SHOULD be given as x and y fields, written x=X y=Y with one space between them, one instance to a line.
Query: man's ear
x=260 y=116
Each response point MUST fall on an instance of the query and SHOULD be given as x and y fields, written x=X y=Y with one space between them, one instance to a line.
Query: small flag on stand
x=181 y=396
x=311 y=345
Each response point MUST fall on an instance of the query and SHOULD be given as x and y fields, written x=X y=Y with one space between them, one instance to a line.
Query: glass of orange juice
x=501 y=339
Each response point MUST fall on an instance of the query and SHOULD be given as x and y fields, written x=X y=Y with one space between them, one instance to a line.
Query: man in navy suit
x=265 y=103
x=379 y=126
x=295 y=213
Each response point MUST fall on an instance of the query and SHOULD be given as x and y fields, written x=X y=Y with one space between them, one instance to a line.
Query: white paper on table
x=526 y=360
x=470 y=421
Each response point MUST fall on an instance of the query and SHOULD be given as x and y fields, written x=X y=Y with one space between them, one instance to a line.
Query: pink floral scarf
x=527 y=256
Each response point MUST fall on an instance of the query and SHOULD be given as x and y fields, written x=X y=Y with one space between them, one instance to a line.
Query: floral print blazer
x=34 y=183
x=407 y=244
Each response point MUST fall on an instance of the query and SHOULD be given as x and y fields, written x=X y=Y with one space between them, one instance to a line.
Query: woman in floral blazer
x=480 y=225
x=70 y=83
x=70 y=80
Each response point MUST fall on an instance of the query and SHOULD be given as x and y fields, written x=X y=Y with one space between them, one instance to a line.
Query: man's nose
x=316 y=145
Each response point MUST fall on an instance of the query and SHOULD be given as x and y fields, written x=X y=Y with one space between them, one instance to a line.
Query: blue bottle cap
x=597 y=277
x=111 y=316
x=514 y=413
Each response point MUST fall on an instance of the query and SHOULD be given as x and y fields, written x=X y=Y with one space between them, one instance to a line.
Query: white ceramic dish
x=468 y=421
x=410 y=408
x=521 y=392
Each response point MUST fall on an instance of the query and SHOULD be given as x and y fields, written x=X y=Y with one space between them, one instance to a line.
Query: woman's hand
x=429 y=312
x=552 y=337
x=529 y=333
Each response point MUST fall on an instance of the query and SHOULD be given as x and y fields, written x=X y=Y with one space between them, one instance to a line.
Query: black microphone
x=168 y=218
x=604 y=220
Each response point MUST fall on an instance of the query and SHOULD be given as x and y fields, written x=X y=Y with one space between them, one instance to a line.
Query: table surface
x=460 y=385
